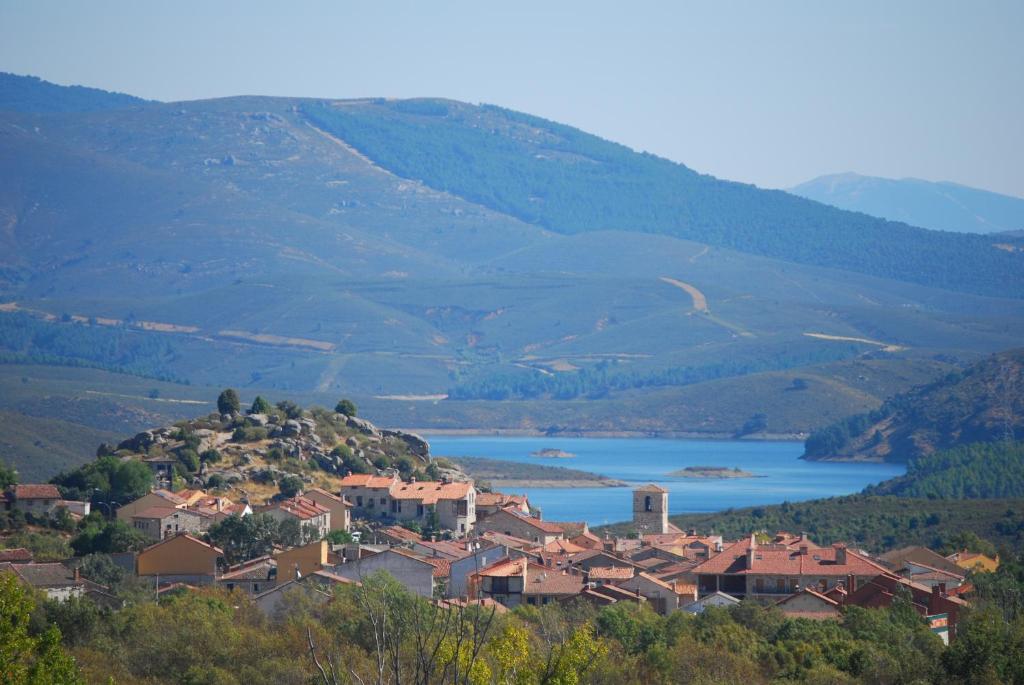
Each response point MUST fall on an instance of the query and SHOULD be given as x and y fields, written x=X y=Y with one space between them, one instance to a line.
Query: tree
x=210 y=456
x=8 y=476
x=107 y=479
x=189 y=460
x=245 y=537
x=109 y=538
x=260 y=406
x=290 y=485
x=346 y=407
x=26 y=659
x=228 y=402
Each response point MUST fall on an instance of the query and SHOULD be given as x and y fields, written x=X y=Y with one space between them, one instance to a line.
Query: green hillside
x=974 y=471
x=568 y=181
x=984 y=403
x=236 y=242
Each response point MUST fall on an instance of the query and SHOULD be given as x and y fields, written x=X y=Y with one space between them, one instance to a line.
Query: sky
x=770 y=93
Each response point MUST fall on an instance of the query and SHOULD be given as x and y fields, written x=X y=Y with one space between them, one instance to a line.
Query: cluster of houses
x=503 y=554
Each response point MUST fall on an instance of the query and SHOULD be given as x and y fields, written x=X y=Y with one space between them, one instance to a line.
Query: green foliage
x=189 y=460
x=978 y=470
x=108 y=479
x=610 y=376
x=44 y=545
x=290 y=485
x=108 y=538
x=26 y=659
x=246 y=537
x=228 y=402
x=210 y=456
x=260 y=406
x=8 y=476
x=346 y=407
x=290 y=409
x=339 y=537
x=570 y=182
x=249 y=434
x=25 y=339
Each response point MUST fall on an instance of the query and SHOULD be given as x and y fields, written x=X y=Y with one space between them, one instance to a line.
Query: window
x=647 y=504
x=780 y=585
x=759 y=585
x=370 y=503
x=359 y=500
x=383 y=500
x=255 y=587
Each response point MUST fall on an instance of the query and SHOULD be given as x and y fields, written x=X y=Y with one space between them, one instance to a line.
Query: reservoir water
x=783 y=476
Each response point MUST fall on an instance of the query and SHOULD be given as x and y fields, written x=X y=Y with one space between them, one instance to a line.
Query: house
x=941 y=609
x=661 y=596
x=156 y=498
x=420 y=575
x=899 y=558
x=341 y=509
x=370 y=495
x=542 y=585
x=808 y=603
x=973 y=561
x=771 y=571
x=314 y=520
x=513 y=522
x=32 y=498
x=182 y=558
x=483 y=555
x=488 y=503
x=397 y=535
x=594 y=558
x=302 y=561
x=451 y=504
x=926 y=575
x=162 y=466
x=502 y=581
x=160 y=522
x=613 y=575
x=715 y=599
x=252 y=577
x=55 y=580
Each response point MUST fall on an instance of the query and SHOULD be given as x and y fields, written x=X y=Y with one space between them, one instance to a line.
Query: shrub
x=346 y=407
x=228 y=402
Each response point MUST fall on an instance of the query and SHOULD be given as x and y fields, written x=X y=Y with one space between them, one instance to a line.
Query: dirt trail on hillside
x=700 y=303
x=886 y=347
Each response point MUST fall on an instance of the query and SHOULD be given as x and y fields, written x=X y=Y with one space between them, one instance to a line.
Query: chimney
x=942 y=589
x=841 y=555
x=78 y=574
x=804 y=549
x=412 y=479
x=851 y=583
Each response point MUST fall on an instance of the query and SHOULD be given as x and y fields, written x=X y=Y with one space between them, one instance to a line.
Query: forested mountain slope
x=984 y=403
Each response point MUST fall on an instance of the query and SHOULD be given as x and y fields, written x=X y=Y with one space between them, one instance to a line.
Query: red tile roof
x=36 y=491
x=610 y=573
x=299 y=507
x=650 y=487
x=431 y=492
x=366 y=480
x=545 y=526
x=541 y=580
x=15 y=554
x=400 y=533
x=776 y=559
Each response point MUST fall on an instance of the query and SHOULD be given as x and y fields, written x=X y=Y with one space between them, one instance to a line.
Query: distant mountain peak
x=32 y=94
x=941 y=205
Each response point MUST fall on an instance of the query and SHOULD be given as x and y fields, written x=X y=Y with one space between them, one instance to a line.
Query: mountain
x=943 y=206
x=430 y=257
x=984 y=403
x=973 y=471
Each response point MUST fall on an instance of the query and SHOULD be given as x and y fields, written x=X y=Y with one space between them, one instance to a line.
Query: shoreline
x=665 y=435
x=513 y=483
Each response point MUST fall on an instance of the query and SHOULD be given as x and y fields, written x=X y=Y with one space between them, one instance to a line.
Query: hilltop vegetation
x=568 y=181
x=31 y=94
x=983 y=403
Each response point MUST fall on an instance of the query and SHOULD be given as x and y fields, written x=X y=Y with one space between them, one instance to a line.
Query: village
x=495 y=550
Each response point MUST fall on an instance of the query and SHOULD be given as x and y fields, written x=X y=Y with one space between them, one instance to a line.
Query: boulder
x=417 y=444
x=292 y=427
x=260 y=420
x=363 y=426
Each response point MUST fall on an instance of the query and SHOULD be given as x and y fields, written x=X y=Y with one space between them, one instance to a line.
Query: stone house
x=311 y=516
x=31 y=498
x=417 y=574
x=160 y=522
x=808 y=603
x=513 y=522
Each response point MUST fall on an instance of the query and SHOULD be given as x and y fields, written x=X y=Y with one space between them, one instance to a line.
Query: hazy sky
x=772 y=93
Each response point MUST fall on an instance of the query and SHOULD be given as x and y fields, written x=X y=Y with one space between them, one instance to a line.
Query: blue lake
x=784 y=477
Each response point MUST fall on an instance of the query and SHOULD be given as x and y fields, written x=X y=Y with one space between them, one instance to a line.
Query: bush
x=249 y=434
x=260 y=406
x=228 y=402
x=290 y=486
x=346 y=407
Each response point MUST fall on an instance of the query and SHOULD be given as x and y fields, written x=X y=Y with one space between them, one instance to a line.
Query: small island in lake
x=711 y=472
x=551 y=453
